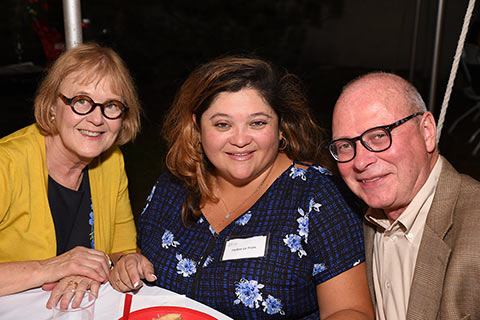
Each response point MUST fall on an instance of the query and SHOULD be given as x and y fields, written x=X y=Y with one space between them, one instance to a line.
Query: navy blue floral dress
x=313 y=235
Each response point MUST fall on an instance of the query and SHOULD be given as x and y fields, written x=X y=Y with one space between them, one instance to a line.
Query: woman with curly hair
x=247 y=220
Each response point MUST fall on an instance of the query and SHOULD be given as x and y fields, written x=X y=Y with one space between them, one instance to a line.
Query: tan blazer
x=446 y=282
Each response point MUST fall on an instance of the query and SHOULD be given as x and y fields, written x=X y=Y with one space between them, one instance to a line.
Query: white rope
x=453 y=71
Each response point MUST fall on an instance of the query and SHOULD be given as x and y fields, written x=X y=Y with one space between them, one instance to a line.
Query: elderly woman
x=247 y=220
x=65 y=212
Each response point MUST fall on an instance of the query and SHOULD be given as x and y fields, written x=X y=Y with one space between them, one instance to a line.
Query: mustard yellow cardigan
x=26 y=225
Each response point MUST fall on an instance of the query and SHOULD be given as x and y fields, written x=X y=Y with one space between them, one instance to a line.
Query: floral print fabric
x=313 y=235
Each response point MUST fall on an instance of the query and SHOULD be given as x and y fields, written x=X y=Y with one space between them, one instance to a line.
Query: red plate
x=157 y=312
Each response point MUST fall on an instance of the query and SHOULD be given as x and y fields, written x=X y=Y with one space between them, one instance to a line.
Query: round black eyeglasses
x=376 y=139
x=82 y=105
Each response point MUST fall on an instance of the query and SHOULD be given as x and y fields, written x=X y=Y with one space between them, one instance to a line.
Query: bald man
x=422 y=228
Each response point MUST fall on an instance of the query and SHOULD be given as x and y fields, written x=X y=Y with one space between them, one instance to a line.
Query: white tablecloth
x=31 y=304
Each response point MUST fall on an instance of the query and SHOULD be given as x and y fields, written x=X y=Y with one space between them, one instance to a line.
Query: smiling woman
x=65 y=212
x=240 y=136
x=247 y=220
x=82 y=137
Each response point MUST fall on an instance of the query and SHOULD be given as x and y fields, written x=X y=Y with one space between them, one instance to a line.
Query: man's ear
x=429 y=131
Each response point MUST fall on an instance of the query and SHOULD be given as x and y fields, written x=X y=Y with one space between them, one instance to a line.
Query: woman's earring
x=52 y=117
x=283 y=144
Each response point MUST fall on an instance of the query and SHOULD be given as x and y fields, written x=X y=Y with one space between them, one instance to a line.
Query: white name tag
x=244 y=248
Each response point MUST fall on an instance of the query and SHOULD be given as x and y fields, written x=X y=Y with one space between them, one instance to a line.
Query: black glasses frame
x=71 y=102
x=388 y=128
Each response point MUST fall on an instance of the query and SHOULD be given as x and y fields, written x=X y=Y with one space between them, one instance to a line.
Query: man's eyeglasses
x=376 y=139
x=82 y=105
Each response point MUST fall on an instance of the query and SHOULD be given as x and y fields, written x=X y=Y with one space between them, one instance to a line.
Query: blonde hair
x=93 y=63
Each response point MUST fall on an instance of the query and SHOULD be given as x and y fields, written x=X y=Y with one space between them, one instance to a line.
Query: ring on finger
x=73 y=284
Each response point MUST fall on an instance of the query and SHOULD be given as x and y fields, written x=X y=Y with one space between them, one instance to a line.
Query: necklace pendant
x=227 y=215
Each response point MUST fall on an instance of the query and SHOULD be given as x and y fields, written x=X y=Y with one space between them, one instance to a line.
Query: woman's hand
x=128 y=271
x=82 y=261
x=74 y=282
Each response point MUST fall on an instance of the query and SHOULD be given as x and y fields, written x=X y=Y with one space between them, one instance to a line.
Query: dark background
x=325 y=42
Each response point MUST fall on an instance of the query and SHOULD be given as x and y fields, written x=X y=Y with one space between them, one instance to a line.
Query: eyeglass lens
x=377 y=139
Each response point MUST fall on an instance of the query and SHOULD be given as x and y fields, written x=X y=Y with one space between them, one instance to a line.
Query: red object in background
x=53 y=42
x=48 y=24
